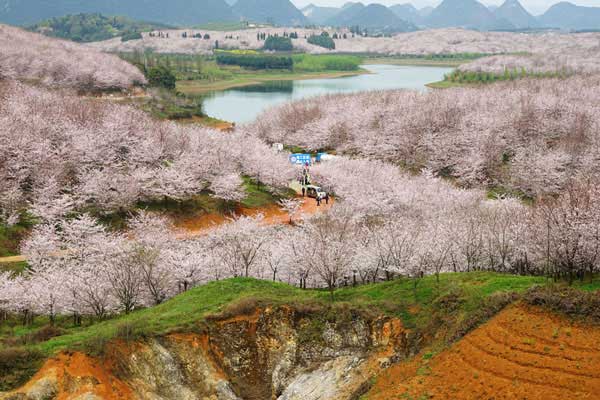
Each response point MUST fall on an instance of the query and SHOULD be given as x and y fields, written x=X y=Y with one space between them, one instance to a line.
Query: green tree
x=278 y=44
x=161 y=76
x=322 y=40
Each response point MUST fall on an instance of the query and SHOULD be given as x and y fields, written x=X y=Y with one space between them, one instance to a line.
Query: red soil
x=272 y=213
x=77 y=374
x=523 y=353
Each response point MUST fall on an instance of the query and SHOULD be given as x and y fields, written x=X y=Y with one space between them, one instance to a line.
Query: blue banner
x=300 y=158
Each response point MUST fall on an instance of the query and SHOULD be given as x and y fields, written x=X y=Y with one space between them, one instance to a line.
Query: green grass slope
x=453 y=306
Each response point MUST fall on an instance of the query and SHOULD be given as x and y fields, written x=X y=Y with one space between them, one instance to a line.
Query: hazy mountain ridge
x=378 y=16
x=175 y=12
x=513 y=12
x=471 y=14
x=280 y=12
x=318 y=14
x=566 y=15
x=407 y=12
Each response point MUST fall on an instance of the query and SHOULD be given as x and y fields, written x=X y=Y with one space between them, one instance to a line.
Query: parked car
x=315 y=191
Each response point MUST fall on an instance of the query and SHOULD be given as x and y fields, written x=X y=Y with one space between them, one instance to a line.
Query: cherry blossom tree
x=329 y=247
x=239 y=244
x=291 y=207
x=60 y=63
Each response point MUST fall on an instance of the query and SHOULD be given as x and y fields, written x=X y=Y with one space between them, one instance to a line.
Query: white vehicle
x=315 y=192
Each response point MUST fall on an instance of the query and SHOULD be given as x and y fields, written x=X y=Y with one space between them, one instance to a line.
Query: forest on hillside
x=93 y=27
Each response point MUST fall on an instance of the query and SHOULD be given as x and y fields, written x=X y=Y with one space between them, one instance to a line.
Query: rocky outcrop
x=273 y=353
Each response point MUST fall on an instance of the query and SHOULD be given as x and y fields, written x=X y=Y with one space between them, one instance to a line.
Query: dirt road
x=197 y=226
x=272 y=214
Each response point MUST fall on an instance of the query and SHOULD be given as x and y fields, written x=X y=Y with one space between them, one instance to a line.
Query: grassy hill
x=397 y=297
x=454 y=305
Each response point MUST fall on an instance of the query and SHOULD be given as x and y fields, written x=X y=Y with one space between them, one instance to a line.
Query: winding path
x=197 y=226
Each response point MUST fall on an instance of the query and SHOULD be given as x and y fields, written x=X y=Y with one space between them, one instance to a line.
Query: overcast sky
x=533 y=6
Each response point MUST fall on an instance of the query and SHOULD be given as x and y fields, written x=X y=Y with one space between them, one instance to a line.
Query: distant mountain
x=425 y=11
x=407 y=12
x=469 y=14
x=513 y=12
x=492 y=7
x=566 y=15
x=280 y=12
x=172 y=12
x=373 y=16
x=346 y=15
x=350 y=4
x=319 y=15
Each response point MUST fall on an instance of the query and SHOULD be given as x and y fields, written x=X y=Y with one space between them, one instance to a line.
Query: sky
x=533 y=6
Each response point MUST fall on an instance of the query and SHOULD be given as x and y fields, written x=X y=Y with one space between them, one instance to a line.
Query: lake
x=241 y=105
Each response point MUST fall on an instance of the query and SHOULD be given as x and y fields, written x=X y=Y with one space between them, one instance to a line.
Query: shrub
x=278 y=43
x=566 y=300
x=162 y=77
x=245 y=306
x=41 y=335
x=491 y=306
x=131 y=36
x=322 y=40
x=326 y=62
x=255 y=61
x=17 y=365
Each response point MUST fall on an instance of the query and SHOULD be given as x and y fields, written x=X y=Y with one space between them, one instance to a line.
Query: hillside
x=91 y=27
x=524 y=352
x=280 y=12
x=566 y=15
x=175 y=12
x=48 y=61
x=210 y=339
x=513 y=12
x=469 y=14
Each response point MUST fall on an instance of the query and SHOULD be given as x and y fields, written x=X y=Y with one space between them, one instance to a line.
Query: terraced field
x=523 y=353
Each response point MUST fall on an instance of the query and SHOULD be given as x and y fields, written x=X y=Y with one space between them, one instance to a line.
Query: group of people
x=320 y=198
x=304 y=180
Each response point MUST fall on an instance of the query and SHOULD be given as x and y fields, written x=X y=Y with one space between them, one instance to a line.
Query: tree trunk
x=331 y=296
x=415 y=283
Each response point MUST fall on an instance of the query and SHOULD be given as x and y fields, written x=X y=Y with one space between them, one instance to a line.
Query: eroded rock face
x=274 y=353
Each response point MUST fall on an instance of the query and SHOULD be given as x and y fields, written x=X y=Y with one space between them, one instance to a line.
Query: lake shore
x=199 y=87
x=449 y=84
x=421 y=62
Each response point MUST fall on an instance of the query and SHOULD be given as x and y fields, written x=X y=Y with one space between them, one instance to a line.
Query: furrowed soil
x=522 y=353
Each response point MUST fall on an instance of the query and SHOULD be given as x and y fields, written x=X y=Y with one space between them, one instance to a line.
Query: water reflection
x=243 y=104
x=269 y=87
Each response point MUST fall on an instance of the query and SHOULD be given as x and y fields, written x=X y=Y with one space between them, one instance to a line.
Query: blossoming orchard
x=499 y=178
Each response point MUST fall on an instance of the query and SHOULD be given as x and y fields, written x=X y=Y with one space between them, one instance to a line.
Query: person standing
x=303 y=191
x=318 y=200
x=326 y=198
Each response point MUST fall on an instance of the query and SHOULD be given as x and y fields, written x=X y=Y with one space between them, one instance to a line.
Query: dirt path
x=198 y=226
x=524 y=353
x=12 y=259
x=272 y=214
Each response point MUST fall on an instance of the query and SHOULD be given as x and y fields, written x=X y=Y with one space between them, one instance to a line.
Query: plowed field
x=523 y=353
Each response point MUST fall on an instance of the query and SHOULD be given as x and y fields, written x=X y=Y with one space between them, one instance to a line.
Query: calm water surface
x=241 y=105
